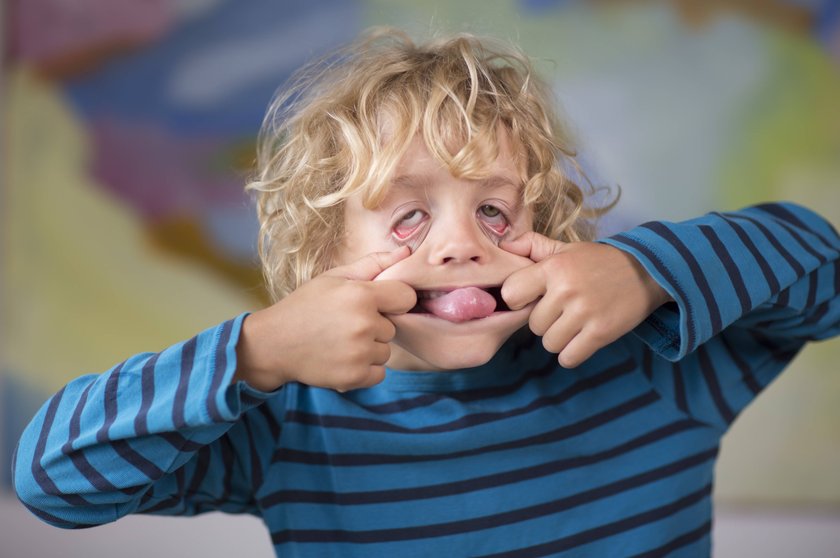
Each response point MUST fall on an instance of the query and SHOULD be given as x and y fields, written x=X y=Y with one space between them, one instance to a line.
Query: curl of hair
x=342 y=124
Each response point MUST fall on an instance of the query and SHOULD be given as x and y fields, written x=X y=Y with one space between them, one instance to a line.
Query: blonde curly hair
x=343 y=123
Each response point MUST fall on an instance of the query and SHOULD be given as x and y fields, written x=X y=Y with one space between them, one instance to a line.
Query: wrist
x=253 y=365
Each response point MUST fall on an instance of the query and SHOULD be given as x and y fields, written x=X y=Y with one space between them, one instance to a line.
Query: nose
x=456 y=240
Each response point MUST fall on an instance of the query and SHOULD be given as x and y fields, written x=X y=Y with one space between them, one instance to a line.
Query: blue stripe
x=662 y=269
x=679 y=387
x=710 y=377
x=747 y=376
x=694 y=267
x=678 y=542
x=731 y=269
x=473 y=484
x=111 y=394
x=783 y=213
x=497 y=520
x=611 y=529
x=766 y=271
x=777 y=245
x=133 y=458
x=555 y=435
x=96 y=479
x=219 y=372
x=360 y=423
x=147 y=390
x=38 y=472
x=187 y=365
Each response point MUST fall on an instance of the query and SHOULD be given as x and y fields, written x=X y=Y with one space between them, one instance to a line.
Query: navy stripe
x=111 y=394
x=272 y=422
x=476 y=394
x=783 y=298
x=813 y=289
x=496 y=520
x=766 y=271
x=710 y=376
x=678 y=542
x=219 y=372
x=694 y=267
x=782 y=251
x=187 y=364
x=357 y=423
x=804 y=245
x=663 y=270
x=556 y=435
x=38 y=472
x=93 y=476
x=133 y=458
x=608 y=530
x=475 y=484
x=228 y=465
x=747 y=375
x=202 y=465
x=785 y=214
x=679 y=387
x=57 y=521
x=731 y=269
x=817 y=314
x=253 y=454
x=147 y=389
x=647 y=363
x=179 y=442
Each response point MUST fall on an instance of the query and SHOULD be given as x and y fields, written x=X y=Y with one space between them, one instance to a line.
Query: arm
x=749 y=288
x=157 y=433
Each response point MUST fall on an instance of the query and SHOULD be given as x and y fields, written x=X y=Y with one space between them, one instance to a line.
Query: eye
x=493 y=217
x=409 y=223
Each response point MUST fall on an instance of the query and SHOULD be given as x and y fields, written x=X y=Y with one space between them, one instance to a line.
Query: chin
x=459 y=357
x=434 y=344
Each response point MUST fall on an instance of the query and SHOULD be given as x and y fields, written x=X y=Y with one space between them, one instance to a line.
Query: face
x=453 y=227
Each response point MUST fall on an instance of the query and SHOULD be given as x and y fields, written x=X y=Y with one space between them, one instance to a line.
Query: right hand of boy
x=331 y=332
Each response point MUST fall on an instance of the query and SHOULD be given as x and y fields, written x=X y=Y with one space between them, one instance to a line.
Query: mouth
x=460 y=304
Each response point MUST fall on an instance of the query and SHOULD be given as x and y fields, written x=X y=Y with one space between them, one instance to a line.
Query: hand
x=592 y=294
x=331 y=332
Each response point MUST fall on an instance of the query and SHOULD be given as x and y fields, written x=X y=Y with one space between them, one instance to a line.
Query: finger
x=533 y=245
x=559 y=335
x=384 y=331
x=523 y=287
x=577 y=350
x=394 y=297
x=545 y=314
x=380 y=353
x=368 y=267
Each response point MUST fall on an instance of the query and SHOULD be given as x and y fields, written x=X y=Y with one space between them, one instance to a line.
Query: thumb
x=368 y=267
x=533 y=245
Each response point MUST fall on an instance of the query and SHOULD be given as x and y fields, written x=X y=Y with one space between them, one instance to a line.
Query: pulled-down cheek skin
x=461 y=304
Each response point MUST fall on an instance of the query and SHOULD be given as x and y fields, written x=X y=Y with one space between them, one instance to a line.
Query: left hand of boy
x=591 y=294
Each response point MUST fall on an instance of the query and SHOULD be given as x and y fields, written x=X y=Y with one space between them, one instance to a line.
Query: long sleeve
x=156 y=433
x=749 y=288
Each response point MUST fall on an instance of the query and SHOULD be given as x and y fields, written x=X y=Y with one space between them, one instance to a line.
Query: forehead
x=475 y=163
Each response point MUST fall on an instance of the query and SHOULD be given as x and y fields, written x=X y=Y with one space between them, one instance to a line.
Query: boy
x=409 y=393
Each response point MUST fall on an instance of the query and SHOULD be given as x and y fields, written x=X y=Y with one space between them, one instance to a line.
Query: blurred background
x=128 y=133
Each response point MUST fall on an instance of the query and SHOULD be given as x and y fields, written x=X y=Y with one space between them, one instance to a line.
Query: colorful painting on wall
x=130 y=130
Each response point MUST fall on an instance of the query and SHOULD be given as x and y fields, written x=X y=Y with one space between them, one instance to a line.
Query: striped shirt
x=517 y=457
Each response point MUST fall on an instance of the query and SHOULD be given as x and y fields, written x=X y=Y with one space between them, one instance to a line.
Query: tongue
x=461 y=305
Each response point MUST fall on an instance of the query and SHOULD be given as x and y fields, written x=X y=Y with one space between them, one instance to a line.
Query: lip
x=498 y=319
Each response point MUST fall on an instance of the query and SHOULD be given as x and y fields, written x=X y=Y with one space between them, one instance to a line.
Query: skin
x=436 y=232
